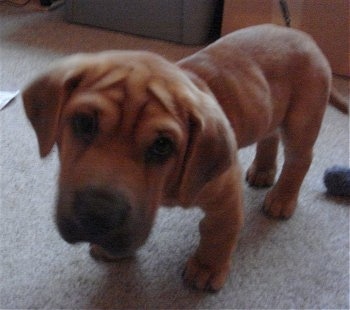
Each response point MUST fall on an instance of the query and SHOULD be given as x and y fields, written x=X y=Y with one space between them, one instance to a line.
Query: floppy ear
x=43 y=100
x=211 y=146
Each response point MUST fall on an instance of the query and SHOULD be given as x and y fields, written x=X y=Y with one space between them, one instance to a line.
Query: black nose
x=98 y=212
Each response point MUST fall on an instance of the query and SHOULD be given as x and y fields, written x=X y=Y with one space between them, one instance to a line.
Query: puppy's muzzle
x=96 y=215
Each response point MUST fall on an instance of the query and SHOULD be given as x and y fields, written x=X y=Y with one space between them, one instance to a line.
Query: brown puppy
x=135 y=131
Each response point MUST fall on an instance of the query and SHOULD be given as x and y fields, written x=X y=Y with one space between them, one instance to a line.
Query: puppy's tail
x=338 y=101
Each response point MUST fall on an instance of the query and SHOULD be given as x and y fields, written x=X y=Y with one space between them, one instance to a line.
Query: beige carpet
x=302 y=263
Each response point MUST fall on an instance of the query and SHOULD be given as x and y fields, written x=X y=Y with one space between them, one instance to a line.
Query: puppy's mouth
x=103 y=218
x=116 y=244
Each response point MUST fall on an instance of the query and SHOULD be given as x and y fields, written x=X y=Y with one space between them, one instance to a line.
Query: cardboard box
x=327 y=21
x=184 y=21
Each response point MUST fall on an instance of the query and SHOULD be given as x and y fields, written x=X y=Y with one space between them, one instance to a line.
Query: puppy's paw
x=279 y=206
x=260 y=178
x=204 y=278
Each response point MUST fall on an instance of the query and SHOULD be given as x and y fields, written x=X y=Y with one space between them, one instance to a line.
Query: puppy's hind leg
x=262 y=171
x=299 y=133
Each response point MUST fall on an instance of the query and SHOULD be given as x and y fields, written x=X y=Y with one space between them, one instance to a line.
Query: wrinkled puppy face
x=117 y=153
x=126 y=125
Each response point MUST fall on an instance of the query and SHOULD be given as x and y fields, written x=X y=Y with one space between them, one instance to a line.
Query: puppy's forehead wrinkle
x=137 y=120
x=111 y=78
x=161 y=92
x=144 y=118
x=138 y=82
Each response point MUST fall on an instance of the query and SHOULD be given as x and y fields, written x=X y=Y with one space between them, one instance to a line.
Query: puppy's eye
x=160 y=151
x=85 y=127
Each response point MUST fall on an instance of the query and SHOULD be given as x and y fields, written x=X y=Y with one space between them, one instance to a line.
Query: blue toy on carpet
x=337 y=181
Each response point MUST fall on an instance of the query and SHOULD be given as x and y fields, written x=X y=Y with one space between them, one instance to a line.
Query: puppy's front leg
x=208 y=268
